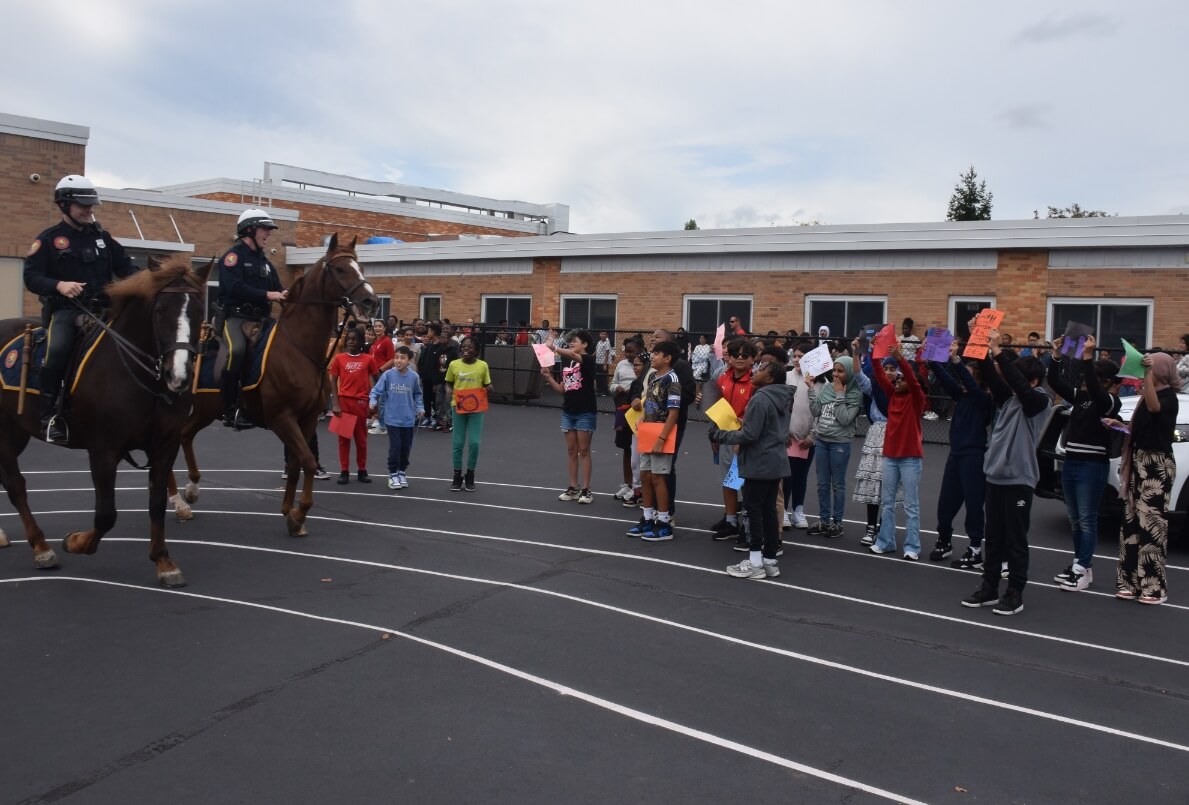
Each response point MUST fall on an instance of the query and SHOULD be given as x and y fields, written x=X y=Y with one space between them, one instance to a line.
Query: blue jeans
x=832 y=459
x=1082 y=483
x=897 y=472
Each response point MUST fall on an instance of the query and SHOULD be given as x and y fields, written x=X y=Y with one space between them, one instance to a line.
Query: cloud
x=1027 y=116
x=1054 y=28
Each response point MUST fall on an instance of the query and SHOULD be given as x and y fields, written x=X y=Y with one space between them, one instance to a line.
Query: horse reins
x=343 y=302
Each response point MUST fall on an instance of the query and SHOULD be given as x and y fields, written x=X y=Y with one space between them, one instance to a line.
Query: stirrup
x=241 y=422
x=56 y=431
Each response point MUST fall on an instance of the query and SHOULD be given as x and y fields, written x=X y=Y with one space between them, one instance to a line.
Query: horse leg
x=299 y=455
x=160 y=476
x=103 y=476
x=181 y=508
x=11 y=445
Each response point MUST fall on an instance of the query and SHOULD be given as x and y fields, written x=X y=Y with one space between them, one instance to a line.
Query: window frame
x=719 y=298
x=385 y=307
x=811 y=328
x=1100 y=302
x=564 y=325
x=421 y=306
x=511 y=324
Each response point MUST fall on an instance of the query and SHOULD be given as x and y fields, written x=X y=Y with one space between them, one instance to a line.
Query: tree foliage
x=691 y=224
x=1074 y=211
x=971 y=200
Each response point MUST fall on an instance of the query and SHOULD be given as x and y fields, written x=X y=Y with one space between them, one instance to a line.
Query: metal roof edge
x=38 y=129
x=156 y=198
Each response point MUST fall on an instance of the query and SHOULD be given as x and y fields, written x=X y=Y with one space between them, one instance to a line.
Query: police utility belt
x=245 y=310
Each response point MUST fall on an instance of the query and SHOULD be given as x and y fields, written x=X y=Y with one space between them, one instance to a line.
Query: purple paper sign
x=937 y=344
x=1074 y=348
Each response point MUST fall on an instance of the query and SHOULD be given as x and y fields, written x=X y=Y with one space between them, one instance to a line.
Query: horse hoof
x=4 y=543
x=184 y=513
x=46 y=560
x=173 y=578
x=190 y=492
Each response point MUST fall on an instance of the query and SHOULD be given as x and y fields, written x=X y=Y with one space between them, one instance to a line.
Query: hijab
x=1164 y=372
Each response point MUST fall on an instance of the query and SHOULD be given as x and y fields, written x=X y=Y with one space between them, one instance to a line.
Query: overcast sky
x=639 y=115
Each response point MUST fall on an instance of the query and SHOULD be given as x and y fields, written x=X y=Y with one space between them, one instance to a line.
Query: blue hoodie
x=400 y=397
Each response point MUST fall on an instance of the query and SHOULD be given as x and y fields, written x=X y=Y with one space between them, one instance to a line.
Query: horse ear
x=354 y=240
x=153 y=262
x=334 y=243
x=204 y=272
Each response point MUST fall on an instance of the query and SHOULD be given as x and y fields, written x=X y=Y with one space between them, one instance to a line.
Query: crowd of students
x=789 y=422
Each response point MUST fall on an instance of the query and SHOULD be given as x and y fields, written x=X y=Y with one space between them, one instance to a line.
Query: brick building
x=467 y=256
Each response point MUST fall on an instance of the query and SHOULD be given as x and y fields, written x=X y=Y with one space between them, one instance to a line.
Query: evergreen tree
x=691 y=224
x=1075 y=211
x=971 y=200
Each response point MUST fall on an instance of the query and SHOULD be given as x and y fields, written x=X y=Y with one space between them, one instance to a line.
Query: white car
x=1051 y=452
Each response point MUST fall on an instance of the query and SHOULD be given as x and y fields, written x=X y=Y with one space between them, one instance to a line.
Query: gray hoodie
x=761 y=440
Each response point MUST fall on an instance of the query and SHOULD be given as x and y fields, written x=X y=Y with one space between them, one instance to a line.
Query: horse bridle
x=343 y=303
x=127 y=351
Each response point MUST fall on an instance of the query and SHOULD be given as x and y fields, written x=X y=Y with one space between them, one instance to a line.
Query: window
x=431 y=306
x=385 y=307
x=1112 y=320
x=588 y=312
x=703 y=314
x=12 y=278
x=844 y=315
x=963 y=309
x=512 y=308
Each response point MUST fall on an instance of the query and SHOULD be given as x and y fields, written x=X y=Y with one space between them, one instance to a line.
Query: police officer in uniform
x=248 y=285
x=71 y=261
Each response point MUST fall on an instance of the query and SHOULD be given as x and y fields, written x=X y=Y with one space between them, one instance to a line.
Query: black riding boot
x=230 y=395
x=53 y=424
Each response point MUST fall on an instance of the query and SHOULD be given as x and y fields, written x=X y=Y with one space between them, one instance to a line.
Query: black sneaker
x=869 y=535
x=1065 y=576
x=721 y=525
x=969 y=561
x=742 y=545
x=363 y=477
x=835 y=531
x=344 y=478
x=726 y=533
x=456 y=482
x=1010 y=604
x=942 y=550
x=818 y=529
x=984 y=596
x=468 y=481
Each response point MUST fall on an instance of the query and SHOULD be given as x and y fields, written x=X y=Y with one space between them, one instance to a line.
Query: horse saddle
x=214 y=359
x=10 y=368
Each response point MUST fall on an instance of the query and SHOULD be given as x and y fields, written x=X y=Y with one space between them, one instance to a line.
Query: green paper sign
x=1132 y=361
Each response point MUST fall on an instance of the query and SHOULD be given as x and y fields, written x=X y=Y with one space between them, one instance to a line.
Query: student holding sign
x=579 y=410
x=762 y=463
x=468 y=382
x=662 y=407
x=735 y=387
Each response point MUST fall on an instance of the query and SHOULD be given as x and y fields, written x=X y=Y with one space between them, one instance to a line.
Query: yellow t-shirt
x=463 y=376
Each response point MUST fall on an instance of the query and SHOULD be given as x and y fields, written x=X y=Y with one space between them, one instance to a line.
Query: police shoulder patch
x=61 y=242
x=10 y=360
x=231 y=259
x=33 y=249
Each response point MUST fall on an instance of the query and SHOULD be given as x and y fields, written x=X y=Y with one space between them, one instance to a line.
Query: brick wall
x=317 y=221
x=27 y=208
x=1022 y=289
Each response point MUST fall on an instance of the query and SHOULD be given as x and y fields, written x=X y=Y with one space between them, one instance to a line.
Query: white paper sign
x=817 y=361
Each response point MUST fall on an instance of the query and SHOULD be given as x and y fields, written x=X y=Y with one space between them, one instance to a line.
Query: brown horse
x=132 y=393
x=294 y=389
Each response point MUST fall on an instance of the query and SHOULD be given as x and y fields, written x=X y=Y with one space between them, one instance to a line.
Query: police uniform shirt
x=63 y=253
x=246 y=277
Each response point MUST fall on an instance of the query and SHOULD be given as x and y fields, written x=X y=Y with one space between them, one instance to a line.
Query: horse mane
x=143 y=286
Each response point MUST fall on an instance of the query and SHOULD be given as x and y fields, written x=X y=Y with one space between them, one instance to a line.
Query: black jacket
x=63 y=253
x=245 y=278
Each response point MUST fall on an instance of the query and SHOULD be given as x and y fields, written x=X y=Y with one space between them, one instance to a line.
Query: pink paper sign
x=544 y=355
x=719 y=335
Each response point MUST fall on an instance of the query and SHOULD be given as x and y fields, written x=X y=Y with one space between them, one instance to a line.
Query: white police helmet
x=75 y=189
x=250 y=219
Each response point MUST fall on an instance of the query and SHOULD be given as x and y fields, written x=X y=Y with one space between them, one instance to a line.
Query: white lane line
x=717 y=571
x=563 y=690
x=1069 y=551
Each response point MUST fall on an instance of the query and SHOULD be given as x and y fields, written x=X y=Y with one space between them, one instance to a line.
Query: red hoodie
x=903 y=437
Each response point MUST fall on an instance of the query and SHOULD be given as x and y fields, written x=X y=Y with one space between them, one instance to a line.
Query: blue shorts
x=585 y=422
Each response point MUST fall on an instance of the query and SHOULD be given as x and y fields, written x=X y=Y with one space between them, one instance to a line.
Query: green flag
x=1132 y=361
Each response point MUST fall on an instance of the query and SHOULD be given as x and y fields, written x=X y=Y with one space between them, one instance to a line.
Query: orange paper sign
x=343 y=425
x=470 y=401
x=648 y=432
x=980 y=335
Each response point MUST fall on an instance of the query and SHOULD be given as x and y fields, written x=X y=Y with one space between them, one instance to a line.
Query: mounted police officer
x=248 y=285
x=68 y=266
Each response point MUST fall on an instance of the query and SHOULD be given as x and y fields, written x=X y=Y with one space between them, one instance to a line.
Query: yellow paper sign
x=723 y=415
x=633 y=417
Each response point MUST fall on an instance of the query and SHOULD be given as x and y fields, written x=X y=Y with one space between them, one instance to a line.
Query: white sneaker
x=746 y=570
x=404 y=480
x=788 y=522
x=375 y=430
x=394 y=481
x=799 y=520
x=771 y=571
x=623 y=493
x=1083 y=577
x=930 y=415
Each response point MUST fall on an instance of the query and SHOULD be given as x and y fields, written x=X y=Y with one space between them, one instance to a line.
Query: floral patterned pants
x=1143 y=538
